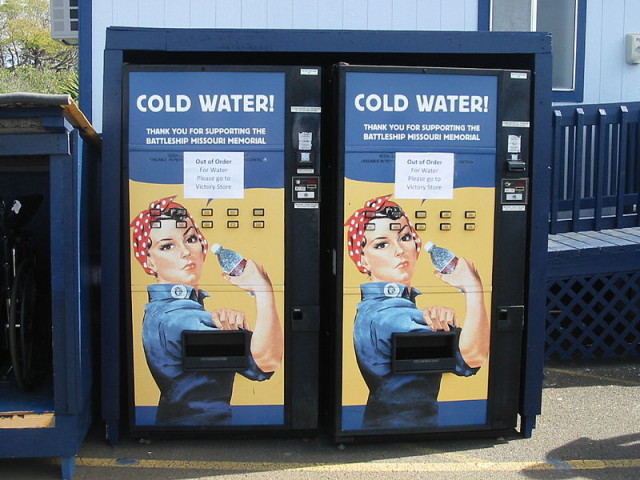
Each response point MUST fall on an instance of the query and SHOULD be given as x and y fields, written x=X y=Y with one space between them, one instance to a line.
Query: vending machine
x=429 y=256
x=221 y=171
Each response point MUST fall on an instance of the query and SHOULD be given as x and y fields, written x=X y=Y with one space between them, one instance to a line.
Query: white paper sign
x=514 y=144
x=424 y=175
x=214 y=174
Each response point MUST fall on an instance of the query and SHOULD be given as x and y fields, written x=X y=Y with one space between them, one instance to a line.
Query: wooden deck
x=584 y=253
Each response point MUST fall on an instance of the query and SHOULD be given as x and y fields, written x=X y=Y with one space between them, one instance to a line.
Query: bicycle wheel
x=21 y=324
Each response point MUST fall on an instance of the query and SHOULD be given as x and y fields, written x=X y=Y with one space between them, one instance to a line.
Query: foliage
x=39 y=80
x=30 y=60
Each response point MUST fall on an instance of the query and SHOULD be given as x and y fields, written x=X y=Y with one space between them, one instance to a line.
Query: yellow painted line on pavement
x=453 y=456
x=598 y=377
x=400 y=467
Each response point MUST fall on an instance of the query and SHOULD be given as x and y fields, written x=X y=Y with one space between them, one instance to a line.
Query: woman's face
x=176 y=253
x=390 y=252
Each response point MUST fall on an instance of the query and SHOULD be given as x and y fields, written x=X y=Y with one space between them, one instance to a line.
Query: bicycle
x=20 y=331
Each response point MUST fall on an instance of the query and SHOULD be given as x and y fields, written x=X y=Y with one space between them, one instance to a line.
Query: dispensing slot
x=428 y=352
x=216 y=349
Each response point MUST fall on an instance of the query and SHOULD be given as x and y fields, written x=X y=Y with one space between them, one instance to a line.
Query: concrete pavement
x=589 y=429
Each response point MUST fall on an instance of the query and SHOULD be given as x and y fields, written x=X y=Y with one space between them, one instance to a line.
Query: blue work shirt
x=187 y=397
x=395 y=400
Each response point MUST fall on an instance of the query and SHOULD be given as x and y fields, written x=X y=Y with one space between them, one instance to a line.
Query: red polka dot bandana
x=147 y=219
x=380 y=207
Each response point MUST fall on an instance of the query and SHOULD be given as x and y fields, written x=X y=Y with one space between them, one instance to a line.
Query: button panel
x=452 y=215
x=236 y=218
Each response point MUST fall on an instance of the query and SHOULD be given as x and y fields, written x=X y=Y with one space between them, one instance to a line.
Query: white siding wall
x=456 y=15
x=305 y=14
x=608 y=78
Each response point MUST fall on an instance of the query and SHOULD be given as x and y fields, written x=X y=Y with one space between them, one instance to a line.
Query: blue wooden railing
x=595 y=167
x=593 y=281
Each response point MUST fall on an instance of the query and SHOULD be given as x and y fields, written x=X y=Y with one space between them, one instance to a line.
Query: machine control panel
x=306 y=189
x=514 y=193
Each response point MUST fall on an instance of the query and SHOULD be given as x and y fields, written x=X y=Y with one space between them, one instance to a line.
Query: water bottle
x=231 y=262
x=444 y=260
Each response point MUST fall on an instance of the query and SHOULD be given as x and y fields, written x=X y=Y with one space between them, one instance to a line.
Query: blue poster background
x=193 y=84
x=244 y=111
x=375 y=102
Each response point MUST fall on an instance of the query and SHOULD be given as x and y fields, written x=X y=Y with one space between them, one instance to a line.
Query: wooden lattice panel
x=593 y=316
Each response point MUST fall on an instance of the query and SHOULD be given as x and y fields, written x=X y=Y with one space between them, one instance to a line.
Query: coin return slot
x=218 y=350
x=424 y=352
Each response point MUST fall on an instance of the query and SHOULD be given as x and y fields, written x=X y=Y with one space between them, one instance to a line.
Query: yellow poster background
x=474 y=245
x=263 y=245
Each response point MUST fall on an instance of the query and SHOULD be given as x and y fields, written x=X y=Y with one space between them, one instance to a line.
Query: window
x=565 y=19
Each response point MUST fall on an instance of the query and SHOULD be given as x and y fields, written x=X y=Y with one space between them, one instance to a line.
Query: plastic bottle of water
x=444 y=260
x=231 y=262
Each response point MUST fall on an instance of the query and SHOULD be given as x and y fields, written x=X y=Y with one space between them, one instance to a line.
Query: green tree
x=30 y=60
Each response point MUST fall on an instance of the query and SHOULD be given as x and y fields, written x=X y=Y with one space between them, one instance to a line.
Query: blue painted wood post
x=634 y=147
x=110 y=235
x=601 y=159
x=557 y=169
x=577 y=170
x=623 y=164
x=570 y=169
x=68 y=467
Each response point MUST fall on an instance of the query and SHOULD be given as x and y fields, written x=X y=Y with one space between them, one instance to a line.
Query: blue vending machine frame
x=324 y=48
x=452 y=147
x=272 y=147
